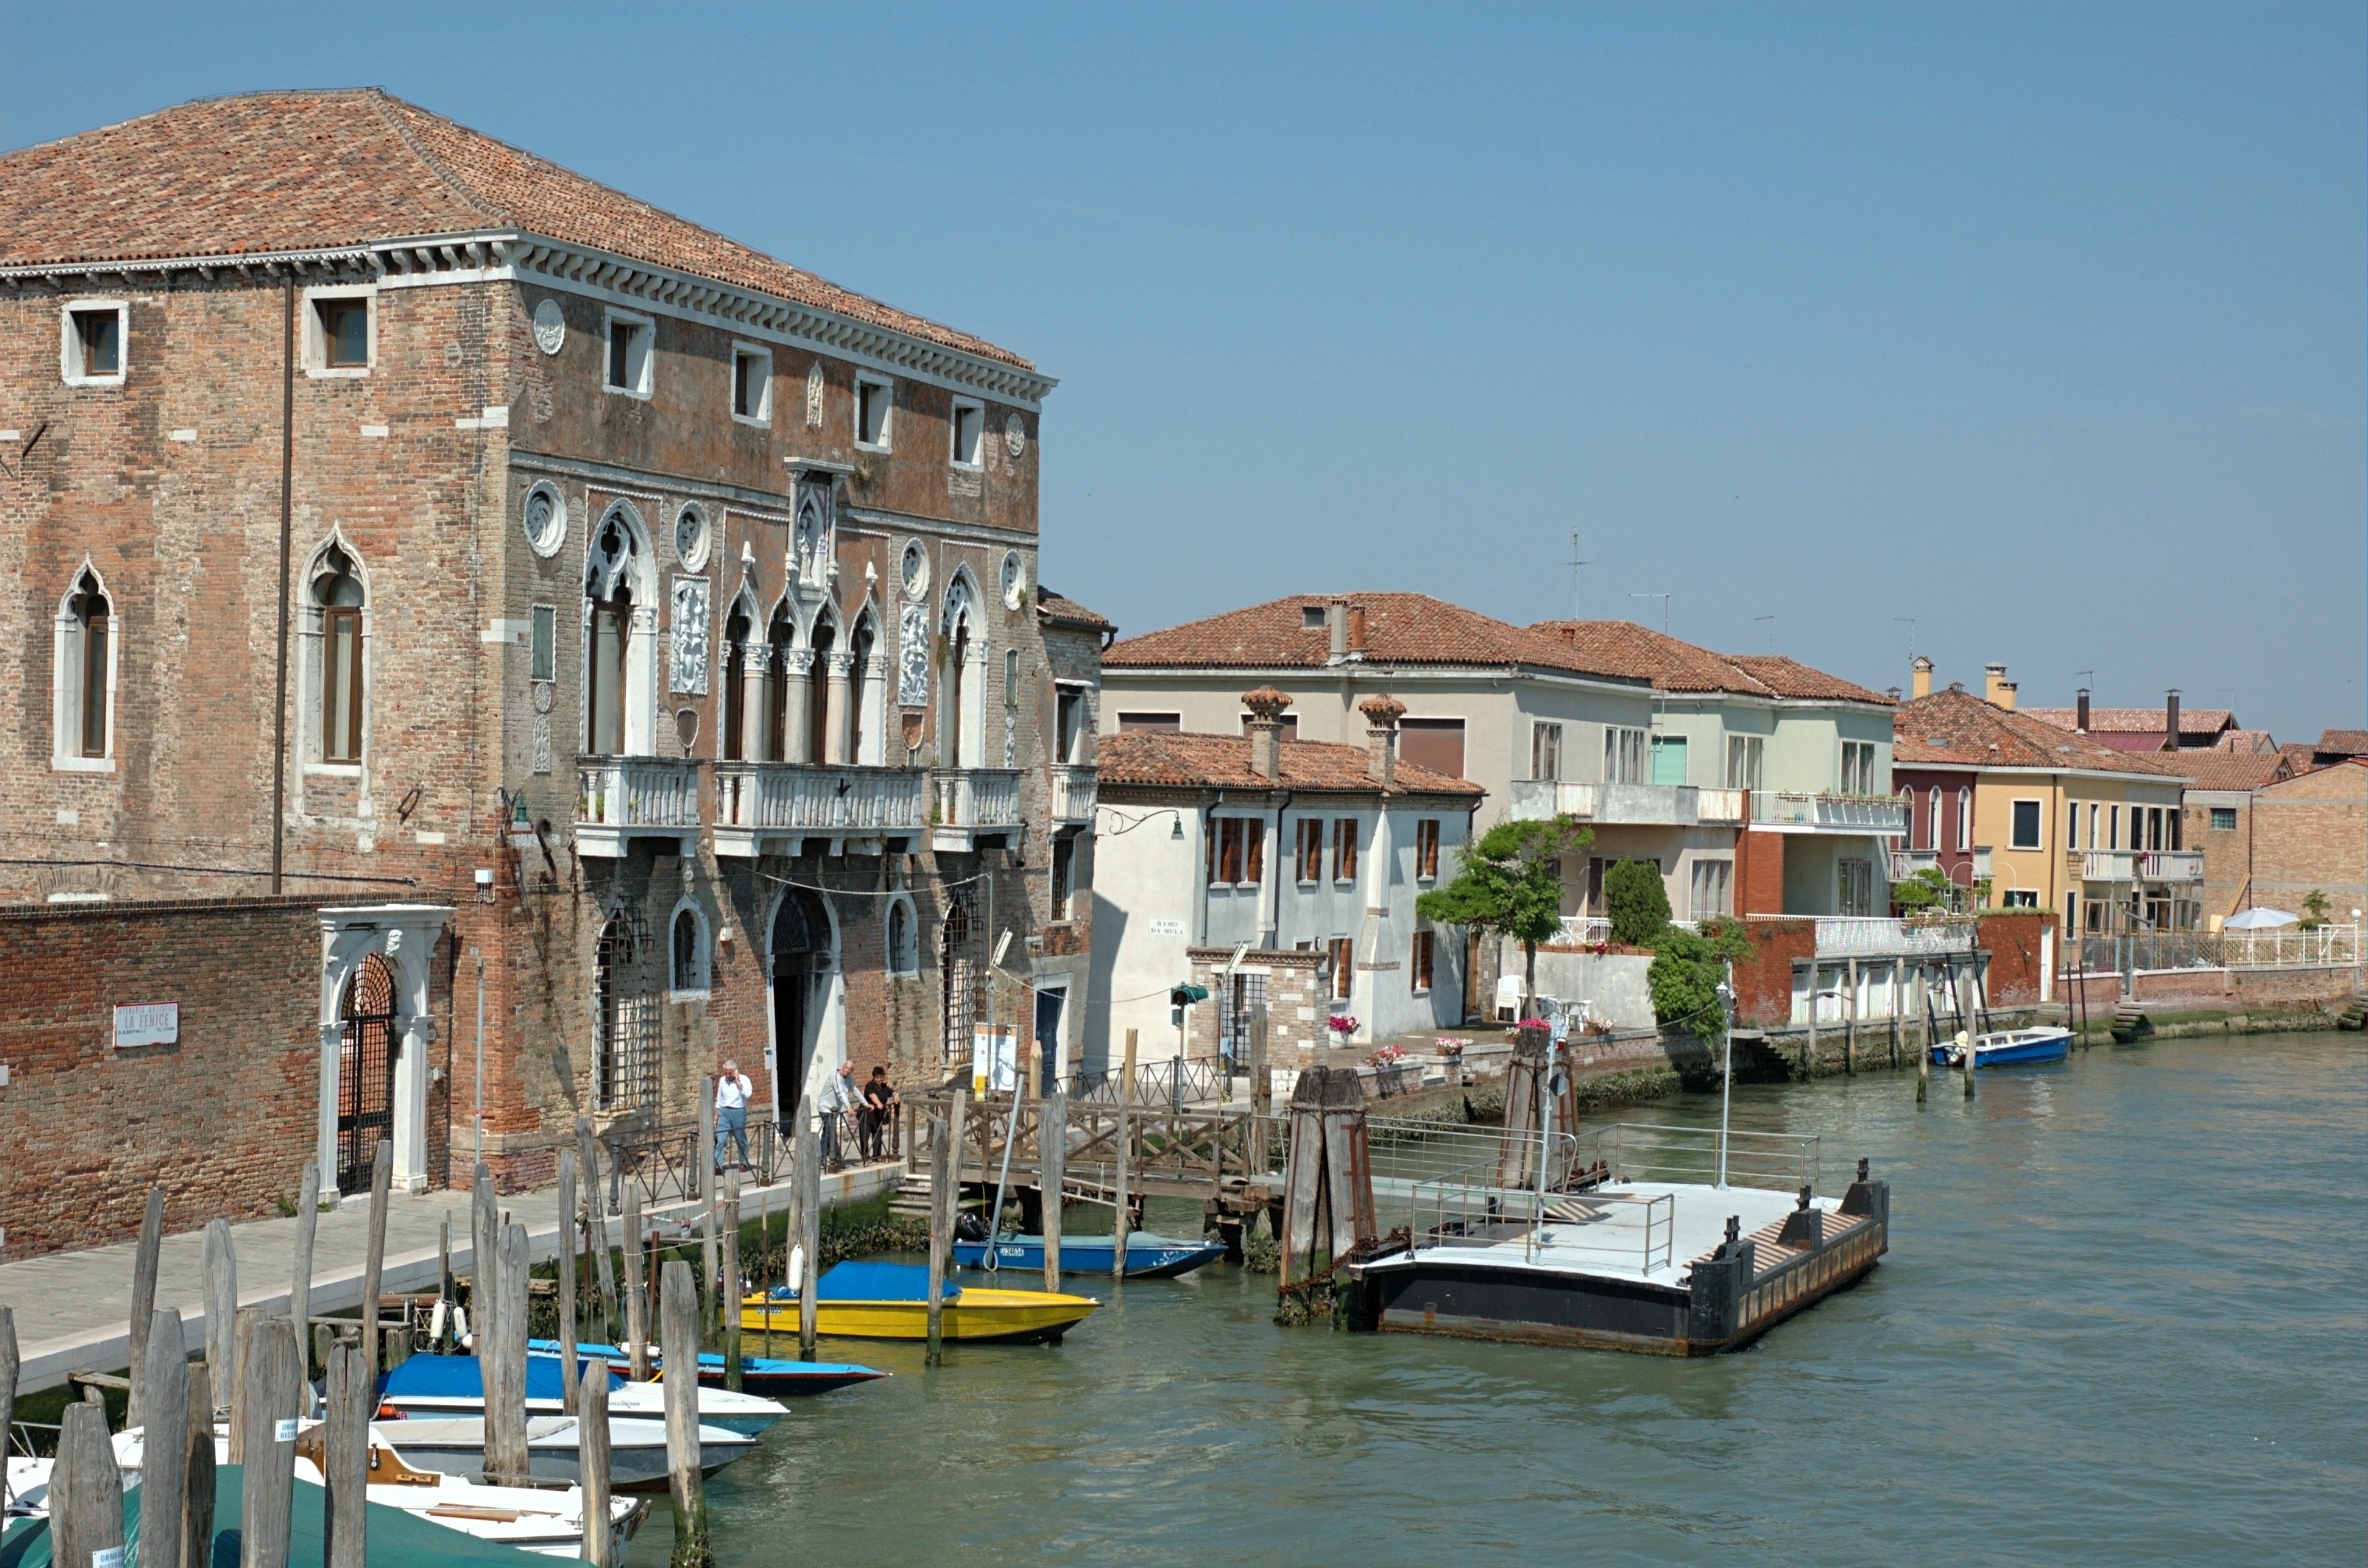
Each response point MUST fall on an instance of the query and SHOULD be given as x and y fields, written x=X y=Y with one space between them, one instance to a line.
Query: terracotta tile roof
x=1222 y=762
x=2245 y=741
x=1790 y=677
x=1400 y=629
x=1672 y=664
x=1979 y=733
x=1907 y=753
x=287 y=171
x=1062 y=612
x=2137 y=720
x=2342 y=743
x=2234 y=770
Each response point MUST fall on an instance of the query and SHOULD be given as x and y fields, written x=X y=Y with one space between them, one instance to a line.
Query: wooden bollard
x=243 y=1327
x=374 y=1260
x=325 y=1339
x=729 y=1294
x=592 y=1463
x=596 y=1214
x=162 y=1381
x=196 y=1507
x=9 y=1366
x=143 y=1301
x=222 y=1309
x=637 y=1311
x=350 y=1385
x=940 y=1178
x=484 y=1237
x=1123 y=1220
x=567 y=1280
x=502 y=1362
x=442 y=1323
x=86 y=1492
x=1052 y=1173
x=300 y=1265
x=708 y=1157
x=680 y=1307
x=809 y=1179
x=270 y=1374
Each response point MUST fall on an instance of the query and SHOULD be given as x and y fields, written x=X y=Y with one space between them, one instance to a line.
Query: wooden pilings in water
x=501 y=1352
x=728 y=1301
x=807 y=1169
x=349 y=1384
x=1328 y=1180
x=596 y=1212
x=197 y=1504
x=271 y=1378
x=568 y=1279
x=709 y=1156
x=160 y=1385
x=1529 y=1077
x=592 y=1463
x=10 y=1363
x=637 y=1305
x=680 y=1307
x=300 y=1265
x=1051 y=1160
x=222 y=1309
x=1122 y=1216
x=374 y=1260
x=86 y=1492
x=945 y=1175
x=143 y=1299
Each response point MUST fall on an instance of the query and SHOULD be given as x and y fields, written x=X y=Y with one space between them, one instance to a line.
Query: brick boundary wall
x=222 y=1121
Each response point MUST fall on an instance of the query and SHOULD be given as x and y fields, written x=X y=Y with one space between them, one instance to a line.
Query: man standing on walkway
x=837 y=1096
x=732 y=1092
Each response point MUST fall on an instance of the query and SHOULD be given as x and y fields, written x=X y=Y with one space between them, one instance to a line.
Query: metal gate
x=365 y=1072
x=957 y=976
x=625 y=1014
x=1248 y=995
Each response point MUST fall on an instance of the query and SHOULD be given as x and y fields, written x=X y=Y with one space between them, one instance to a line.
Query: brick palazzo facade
x=662 y=627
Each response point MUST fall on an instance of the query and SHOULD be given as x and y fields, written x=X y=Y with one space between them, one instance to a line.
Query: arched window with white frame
x=620 y=637
x=85 y=658
x=688 y=954
x=340 y=673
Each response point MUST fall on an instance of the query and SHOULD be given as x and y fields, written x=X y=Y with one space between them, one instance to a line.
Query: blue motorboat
x=2005 y=1047
x=765 y=1375
x=1147 y=1256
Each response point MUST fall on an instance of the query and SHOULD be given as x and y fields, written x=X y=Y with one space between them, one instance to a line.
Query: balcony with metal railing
x=2170 y=865
x=1799 y=812
x=969 y=805
x=1624 y=805
x=1905 y=863
x=620 y=799
x=766 y=808
x=1876 y=935
x=1072 y=793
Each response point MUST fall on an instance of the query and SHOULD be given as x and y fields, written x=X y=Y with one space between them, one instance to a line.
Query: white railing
x=1875 y=936
x=1722 y=805
x=1073 y=791
x=1619 y=805
x=1829 y=814
x=978 y=798
x=2171 y=866
x=618 y=796
x=1541 y=800
x=2109 y=865
x=1905 y=863
x=788 y=797
x=2290 y=946
x=1583 y=930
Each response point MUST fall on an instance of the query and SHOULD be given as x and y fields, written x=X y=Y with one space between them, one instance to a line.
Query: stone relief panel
x=913 y=656
x=687 y=666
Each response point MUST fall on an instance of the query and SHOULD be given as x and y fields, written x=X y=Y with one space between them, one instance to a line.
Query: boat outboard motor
x=969 y=1227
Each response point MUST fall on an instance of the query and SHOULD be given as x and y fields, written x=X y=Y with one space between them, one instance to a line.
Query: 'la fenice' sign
x=148 y=1023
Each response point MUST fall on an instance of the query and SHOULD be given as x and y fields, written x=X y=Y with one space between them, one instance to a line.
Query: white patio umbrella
x=2259 y=920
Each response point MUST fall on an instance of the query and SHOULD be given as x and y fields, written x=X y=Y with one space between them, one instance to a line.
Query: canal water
x=2122 y=1321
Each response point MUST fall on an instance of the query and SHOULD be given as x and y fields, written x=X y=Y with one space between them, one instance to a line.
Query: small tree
x=1510 y=882
x=1927 y=890
x=1637 y=903
x=1687 y=968
x=2316 y=908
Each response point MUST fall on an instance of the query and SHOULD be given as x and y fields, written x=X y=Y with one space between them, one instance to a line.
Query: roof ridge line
x=384 y=102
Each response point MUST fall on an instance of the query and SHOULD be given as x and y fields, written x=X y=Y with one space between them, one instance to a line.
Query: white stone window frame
x=976 y=462
x=762 y=418
x=70 y=369
x=644 y=677
x=704 y=959
x=65 y=682
x=641 y=377
x=887 y=386
x=2038 y=817
x=316 y=347
x=310 y=627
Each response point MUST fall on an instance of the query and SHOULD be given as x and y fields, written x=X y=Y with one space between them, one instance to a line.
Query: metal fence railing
x=1640 y=1151
x=1175 y=1083
x=664 y=1159
x=1471 y=1206
x=2286 y=947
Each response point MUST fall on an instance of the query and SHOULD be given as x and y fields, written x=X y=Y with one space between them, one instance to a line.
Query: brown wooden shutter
x=1433 y=743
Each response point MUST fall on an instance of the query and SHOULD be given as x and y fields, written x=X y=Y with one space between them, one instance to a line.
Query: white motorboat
x=455 y=1445
x=454 y=1385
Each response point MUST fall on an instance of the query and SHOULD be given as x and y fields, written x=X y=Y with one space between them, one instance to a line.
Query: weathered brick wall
x=1296 y=1006
x=2312 y=832
x=1759 y=873
x=224 y=1121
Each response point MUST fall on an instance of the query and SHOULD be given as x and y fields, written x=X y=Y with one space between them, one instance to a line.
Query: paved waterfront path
x=72 y=1308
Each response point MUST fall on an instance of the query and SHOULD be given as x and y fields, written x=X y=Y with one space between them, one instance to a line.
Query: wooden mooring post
x=1122 y=1217
x=86 y=1492
x=299 y=1263
x=196 y=1507
x=222 y=1309
x=808 y=1168
x=241 y=1337
x=1328 y=1180
x=945 y=1127
x=349 y=1384
x=485 y=1235
x=271 y=1376
x=502 y=1362
x=595 y=1217
x=374 y=1260
x=160 y=1381
x=1052 y=1173
x=9 y=1366
x=729 y=1297
x=709 y=1156
x=680 y=1309
x=567 y=1280
x=592 y=1464
x=637 y=1307
x=143 y=1300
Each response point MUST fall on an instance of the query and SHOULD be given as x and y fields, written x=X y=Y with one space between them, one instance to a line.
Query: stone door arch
x=399 y=938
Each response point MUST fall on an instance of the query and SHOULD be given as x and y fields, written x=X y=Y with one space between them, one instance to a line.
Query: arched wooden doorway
x=801 y=964
x=365 y=1072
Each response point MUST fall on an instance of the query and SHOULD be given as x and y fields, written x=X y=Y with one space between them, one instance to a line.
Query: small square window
x=752 y=384
x=344 y=334
x=93 y=349
x=1311 y=618
x=546 y=639
x=2026 y=825
x=628 y=368
x=876 y=400
x=969 y=425
x=2223 y=819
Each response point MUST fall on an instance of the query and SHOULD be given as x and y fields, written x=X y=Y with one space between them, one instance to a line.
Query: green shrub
x=1687 y=969
x=1637 y=903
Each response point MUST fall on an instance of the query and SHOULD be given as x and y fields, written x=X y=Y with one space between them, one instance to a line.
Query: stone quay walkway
x=73 y=1309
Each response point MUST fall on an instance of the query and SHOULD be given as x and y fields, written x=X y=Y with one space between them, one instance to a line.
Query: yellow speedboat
x=891 y=1301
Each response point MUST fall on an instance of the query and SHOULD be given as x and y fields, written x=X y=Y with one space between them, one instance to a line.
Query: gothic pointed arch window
x=863 y=689
x=624 y=1018
x=961 y=718
x=687 y=951
x=341 y=689
x=780 y=640
x=957 y=977
x=734 y=742
x=86 y=659
x=610 y=571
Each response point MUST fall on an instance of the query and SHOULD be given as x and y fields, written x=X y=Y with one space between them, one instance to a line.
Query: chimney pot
x=1993 y=677
x=2170 y=720
x=1382 y=716
x=1336 y=622
x=1356 y=631
x=1266 y=705
x=2006 y=695
x=2080 y=710
x=1919 y=676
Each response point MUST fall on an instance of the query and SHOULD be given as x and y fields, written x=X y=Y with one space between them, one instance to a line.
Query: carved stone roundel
x=545 y=520
x=549 y=327
x=914 y=571
x=1015 y=435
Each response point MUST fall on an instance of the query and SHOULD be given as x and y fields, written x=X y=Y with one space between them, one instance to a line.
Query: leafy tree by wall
x=1510 y=884
x=1637 y=903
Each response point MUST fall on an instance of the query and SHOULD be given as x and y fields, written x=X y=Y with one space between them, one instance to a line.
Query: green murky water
x=2121 y=1321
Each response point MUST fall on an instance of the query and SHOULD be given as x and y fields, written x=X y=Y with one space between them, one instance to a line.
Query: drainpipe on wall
x=287 y=534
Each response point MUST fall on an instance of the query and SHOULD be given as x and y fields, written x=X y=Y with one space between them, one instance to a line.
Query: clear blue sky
x=2041 y=325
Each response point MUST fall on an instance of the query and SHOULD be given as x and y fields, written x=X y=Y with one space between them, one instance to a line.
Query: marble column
x=753 y=660
x=797 y=727
x=834 y=708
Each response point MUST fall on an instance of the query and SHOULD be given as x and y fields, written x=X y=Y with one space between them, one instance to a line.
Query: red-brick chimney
x=1356 y=631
